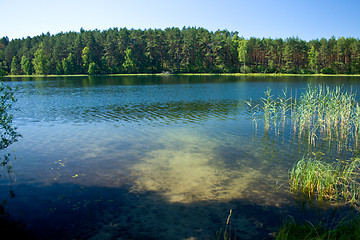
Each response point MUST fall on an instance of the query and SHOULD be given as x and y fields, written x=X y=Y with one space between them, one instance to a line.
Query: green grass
x=347 y=229
x=337 y=182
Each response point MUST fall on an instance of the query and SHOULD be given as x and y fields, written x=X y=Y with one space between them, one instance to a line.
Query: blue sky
x=307 y=19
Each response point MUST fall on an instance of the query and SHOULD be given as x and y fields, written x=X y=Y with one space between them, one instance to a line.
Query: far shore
x=192 y=74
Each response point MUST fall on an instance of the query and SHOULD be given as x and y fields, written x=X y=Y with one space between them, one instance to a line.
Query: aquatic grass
x=356 y=120
x=335 y=182
x=324 y=119
x=290 y=230
x=345 y=229
x=275 y=110
x=320 y=113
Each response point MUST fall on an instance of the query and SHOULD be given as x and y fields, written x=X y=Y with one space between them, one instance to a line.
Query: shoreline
x=192 y=74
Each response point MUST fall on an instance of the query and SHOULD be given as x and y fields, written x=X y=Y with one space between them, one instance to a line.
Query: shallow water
x=154 y=157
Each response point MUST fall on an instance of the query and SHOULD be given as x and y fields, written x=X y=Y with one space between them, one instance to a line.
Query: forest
x=174 y=50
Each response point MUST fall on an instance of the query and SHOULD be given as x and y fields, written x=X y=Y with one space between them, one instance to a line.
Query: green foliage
x=129 y=65
x=26 y=65
x=243 y=54
x=328 y=70
x=290 y=230
x=8 y=134
x=59 y=68
x=86 y=57
x=318 y=114
x=326 y=116
x=312 y=56
x=15 y=66
x=338 y=182
x=186 y=50
x=346 y=229
x=40 y=61
x=92 y=68
x=69 y=64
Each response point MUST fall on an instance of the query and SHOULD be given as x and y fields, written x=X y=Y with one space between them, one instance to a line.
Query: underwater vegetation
x=323 y=119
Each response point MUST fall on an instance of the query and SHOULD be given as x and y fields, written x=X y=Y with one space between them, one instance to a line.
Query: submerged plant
x=339 y=182
x=226 y=235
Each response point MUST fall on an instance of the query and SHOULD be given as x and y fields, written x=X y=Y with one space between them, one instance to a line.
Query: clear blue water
x=150 y=157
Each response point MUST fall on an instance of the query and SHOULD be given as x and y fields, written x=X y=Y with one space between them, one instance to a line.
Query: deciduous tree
x=40 y=61
x=15 y=66
x=312 y=57
x=129 y=65
x=26 y=65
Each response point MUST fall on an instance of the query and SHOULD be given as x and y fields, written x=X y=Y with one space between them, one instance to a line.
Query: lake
x=152 y=157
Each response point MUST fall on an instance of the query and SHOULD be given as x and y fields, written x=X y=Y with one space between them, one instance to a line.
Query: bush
x=327 y=71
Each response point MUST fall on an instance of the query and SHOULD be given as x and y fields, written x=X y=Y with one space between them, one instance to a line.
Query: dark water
x=151 y=157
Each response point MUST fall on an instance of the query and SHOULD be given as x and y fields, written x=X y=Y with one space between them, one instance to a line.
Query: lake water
x=151 y=157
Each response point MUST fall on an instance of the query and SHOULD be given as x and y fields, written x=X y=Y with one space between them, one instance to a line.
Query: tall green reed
x=321 y=117
x=319 y=113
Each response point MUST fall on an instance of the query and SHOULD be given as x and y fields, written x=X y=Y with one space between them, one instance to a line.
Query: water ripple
x=165 y=113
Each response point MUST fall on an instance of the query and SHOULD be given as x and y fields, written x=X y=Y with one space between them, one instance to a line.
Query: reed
x=345 y=229
x=275 y=110
x=337 y=182
x=323 y=118
x=290 y=230
x=226 y=235
x=319 y=113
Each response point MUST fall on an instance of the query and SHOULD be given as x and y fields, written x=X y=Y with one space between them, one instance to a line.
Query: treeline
x=174 y=50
